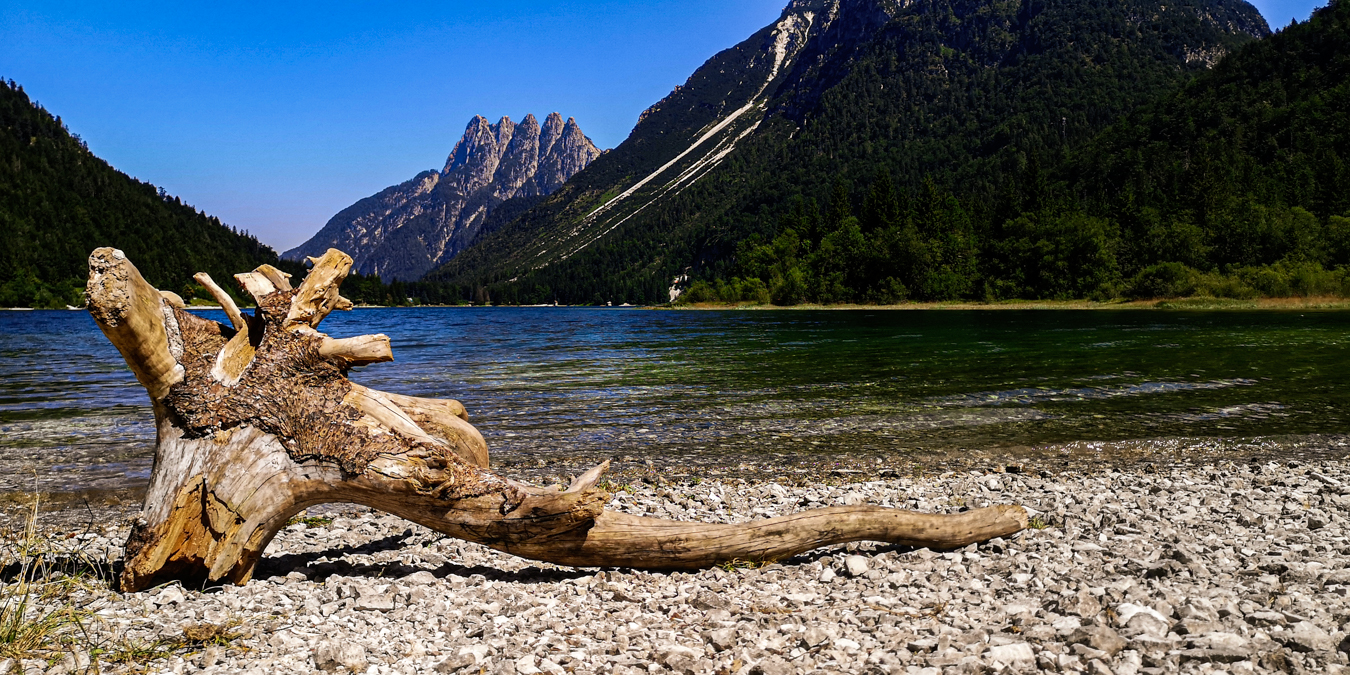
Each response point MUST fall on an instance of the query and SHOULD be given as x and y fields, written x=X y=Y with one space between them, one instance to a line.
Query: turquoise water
x=601 y=382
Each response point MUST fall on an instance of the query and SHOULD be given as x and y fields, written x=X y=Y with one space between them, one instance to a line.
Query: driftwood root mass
x=257 y=421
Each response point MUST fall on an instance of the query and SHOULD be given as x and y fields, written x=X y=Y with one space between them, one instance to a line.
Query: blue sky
x=274 y=116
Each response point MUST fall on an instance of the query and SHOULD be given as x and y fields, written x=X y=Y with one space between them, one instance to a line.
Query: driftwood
x=257 y=421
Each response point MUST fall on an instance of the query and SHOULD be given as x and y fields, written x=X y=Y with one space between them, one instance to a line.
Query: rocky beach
x=1145 y=567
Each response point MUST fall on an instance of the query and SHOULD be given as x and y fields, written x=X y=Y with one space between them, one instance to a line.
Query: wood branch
x=622 y=540
x=377 y=406
x=358 y=351
x=280 y=280
x=255 y=284
x=448 y=421
x=318 y=293
x=223 y=299
x=259 y=422
x=132 y=315
x=174 y=299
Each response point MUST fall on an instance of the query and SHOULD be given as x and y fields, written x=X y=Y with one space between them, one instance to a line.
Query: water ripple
x=540 y=382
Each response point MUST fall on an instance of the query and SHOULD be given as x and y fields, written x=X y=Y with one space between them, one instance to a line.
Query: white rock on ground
x=1189 y=569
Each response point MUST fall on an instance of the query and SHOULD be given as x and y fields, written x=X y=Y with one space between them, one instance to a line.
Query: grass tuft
x=742 y=564
x=207 y=634
x=36 y=617
x=310 y=521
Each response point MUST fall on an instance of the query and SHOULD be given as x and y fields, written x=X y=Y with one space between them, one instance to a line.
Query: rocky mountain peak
x=408 y=229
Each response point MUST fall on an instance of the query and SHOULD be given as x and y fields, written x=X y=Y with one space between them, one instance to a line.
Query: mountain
x=58 y=202
x=959 y=94
x=406 y=230
x=1243 y=172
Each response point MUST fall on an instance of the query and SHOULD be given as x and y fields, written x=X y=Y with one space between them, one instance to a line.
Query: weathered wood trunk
x=257 y=421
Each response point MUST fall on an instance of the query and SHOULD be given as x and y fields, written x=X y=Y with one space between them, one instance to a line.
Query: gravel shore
x=1222 y=567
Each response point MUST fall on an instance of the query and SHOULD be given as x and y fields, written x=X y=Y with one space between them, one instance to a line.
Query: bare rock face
x=408 y=229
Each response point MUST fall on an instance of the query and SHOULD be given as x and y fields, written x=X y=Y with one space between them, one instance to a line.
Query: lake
x=701 y=386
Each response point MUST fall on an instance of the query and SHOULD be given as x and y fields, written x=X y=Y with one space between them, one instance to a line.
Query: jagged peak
x=549 y=135
x=477 y=133
x=505 y=128
x=490 y=142
x=553 y=125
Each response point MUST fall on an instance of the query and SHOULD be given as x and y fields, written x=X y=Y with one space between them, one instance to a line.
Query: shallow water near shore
x=697 y=389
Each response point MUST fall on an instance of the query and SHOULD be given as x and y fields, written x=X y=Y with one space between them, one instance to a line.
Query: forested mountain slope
x=58 y=202
x=944 y=98
x=1244 y=172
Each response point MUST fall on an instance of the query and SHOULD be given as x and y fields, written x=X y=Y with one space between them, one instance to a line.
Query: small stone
x=1213 y=655
x=1304 y=636
x=370 y=600
x=525 y=665
x=1129 y=663
x=1099 y=667
x=456 y=662
x=1088 y=653
x=1151 y=645
x=847 y=645
x=1140 y=620
x=1066 y=625
x=209 y=657
x=827 y=576
x=922 y=646
x=773 y=666
x=1196 y=627
x=678 y=658
x=708 y=600
x=1337 y=578
x=423 y=578
x=856 y=565
x=1098 y=637
x=1016 y=654
x=1266 y=619
x=1083 y=605
x=171 y=595
x=1222 y=641
x=333 y=653
x=815 y=636
x=722 y=639
x=1199 y=609
x=75 y=662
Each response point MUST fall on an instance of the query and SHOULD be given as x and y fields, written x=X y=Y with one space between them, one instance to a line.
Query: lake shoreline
x=70 y=499
x=1328 y=303
x=1167 y=567
x=1315 y=303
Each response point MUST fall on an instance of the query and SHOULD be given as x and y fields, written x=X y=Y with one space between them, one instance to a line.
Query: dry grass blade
x=203 y=634
x=34 y=618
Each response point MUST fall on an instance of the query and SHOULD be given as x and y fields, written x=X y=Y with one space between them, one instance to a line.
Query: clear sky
x=274 y=116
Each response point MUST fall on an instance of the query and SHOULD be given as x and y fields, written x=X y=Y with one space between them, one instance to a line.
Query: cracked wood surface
x=258 y=421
